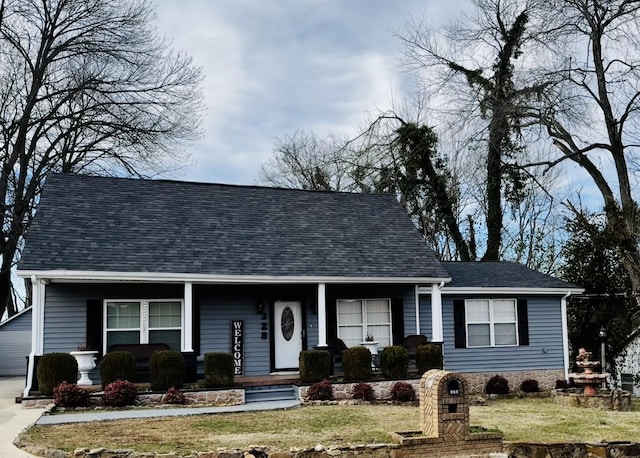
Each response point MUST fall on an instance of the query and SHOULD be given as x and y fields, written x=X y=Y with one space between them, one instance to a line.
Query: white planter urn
x=86 y=362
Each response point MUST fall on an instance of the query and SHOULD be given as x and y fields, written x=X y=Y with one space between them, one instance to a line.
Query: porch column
x=37 y=327
x=436 y=313
x=187 y=325
x=565 y=334
x=322 y=315
x=417 y=299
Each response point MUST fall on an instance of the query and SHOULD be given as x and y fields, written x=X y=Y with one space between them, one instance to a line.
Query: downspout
x=37 y=329
x=436 y=313
x=565 y=334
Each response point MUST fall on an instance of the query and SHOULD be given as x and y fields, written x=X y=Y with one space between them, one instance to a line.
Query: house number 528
x=264 y=327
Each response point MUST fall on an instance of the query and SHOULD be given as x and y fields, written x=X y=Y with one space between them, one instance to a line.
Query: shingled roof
x=97 y=224
x=500 y=274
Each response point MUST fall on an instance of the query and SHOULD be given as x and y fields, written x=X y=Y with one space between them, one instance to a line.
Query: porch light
x=260 y=308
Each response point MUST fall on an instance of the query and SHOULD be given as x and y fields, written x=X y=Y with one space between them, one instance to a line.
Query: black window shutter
x=460 y=326
x=523 y=322
x=397 y=321
x=94 y=325
x=332 y=318
x=195 y=331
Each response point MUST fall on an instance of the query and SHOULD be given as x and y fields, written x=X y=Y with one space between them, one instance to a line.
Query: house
x=15 y=342
x=266 y=273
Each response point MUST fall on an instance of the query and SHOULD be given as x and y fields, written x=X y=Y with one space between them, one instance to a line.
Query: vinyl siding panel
x=15 y=342
x=543 y=352
x=425 y=316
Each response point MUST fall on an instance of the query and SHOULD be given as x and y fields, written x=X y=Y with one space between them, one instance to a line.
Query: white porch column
x=417 y=299
x=322 y=315
x=565 y=335
x=187 y=325
x=37 y=327
x=436 y=313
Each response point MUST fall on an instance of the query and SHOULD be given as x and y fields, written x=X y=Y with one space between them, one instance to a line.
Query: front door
x=287 y=333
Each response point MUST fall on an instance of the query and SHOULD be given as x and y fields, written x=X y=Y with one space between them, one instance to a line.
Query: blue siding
x=15 y=342
x=543 y=352
x=425 y=316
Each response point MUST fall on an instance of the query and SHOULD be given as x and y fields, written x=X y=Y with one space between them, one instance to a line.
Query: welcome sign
x=237 y=346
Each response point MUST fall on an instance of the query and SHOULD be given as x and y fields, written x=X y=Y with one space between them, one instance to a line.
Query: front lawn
x=518 y=419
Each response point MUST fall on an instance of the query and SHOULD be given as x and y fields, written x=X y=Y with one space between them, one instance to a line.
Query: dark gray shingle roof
x=126 y=225
x=502 y=274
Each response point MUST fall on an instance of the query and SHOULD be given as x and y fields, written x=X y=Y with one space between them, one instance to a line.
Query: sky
x=278 y=66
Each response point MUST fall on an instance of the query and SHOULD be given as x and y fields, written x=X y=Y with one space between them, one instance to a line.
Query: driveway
x=13 y=418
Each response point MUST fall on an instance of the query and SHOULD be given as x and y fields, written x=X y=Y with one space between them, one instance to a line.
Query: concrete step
x=269 y=393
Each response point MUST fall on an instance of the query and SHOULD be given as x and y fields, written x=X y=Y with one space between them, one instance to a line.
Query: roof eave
x=101 y=277
x=506 y=290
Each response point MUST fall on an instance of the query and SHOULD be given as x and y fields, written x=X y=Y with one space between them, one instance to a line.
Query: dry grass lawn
x=518 y=419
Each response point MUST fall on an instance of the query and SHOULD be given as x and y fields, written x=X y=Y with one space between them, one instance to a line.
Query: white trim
x=37 y=327
x=322 y=315
x=510 y=290
x=437 y=328
x=416 y=297
x=187 y=318
x=565 y=334
x=13 y=317
x=92 y=276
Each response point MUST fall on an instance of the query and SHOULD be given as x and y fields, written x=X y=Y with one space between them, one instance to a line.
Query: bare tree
x=592 y=111
x=86 y=86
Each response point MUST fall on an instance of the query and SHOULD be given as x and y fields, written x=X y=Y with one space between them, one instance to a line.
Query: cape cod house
x=266 y=273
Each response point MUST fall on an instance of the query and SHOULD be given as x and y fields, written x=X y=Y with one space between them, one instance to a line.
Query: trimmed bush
x=320 y=391
x=403 y=392
x=70 y=395
x=363 y=391
x=315 y=365
x=356 y=363
x=119 y=394
x=497 y=385
x=561 y=385
x=166 y=369
x=173 y=396
x=429 y=356
x=117 y=365
x=530 y=386
x=218 y=369
x=55 y=368
x=394 y=362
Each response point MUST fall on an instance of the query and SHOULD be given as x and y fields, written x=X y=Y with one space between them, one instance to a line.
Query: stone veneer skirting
x=546 y=378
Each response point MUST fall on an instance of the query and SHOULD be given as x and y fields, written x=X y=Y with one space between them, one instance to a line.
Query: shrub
x=321 y=391
x=218 y=369
x=356 y=363
x=166 y=369
x=403 y=392
x=173 y=396
x=315 y=365
x=394 y=362
x=429 y=356
x=561 y=385
x=497 y=385
x=363 y=391
x=55 y=368
x=119 y=394
x=530 y=386
x=70 y=395
x=117 y=365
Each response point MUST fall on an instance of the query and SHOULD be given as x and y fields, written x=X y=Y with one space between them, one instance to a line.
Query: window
x=491 y=322
x=144 y=321
x=358 y=318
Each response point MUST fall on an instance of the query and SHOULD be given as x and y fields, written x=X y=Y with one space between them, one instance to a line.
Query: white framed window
x=358 y=318
x=144 y=321
x=491 y=322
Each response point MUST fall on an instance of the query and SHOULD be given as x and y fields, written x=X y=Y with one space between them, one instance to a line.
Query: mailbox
x=445 y=405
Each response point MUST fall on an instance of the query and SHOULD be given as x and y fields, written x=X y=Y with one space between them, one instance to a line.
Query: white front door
x=287 y=333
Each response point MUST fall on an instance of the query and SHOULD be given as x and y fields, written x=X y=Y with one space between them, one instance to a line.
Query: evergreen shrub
x=530 y=386
x=356 y=363
x=119 y=394
x=320 y=391
x=429 y=356
x=497 y=385
x=218 y=369
x=117 y=365
x=315 y=365
x=166 y=369
x=70 y=395
x=394 y=362
x=55 y=368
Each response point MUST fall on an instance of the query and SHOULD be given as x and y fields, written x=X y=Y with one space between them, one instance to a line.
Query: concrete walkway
x=14 y=419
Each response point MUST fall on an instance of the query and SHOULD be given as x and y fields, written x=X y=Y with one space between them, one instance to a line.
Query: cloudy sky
x=277 y=66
